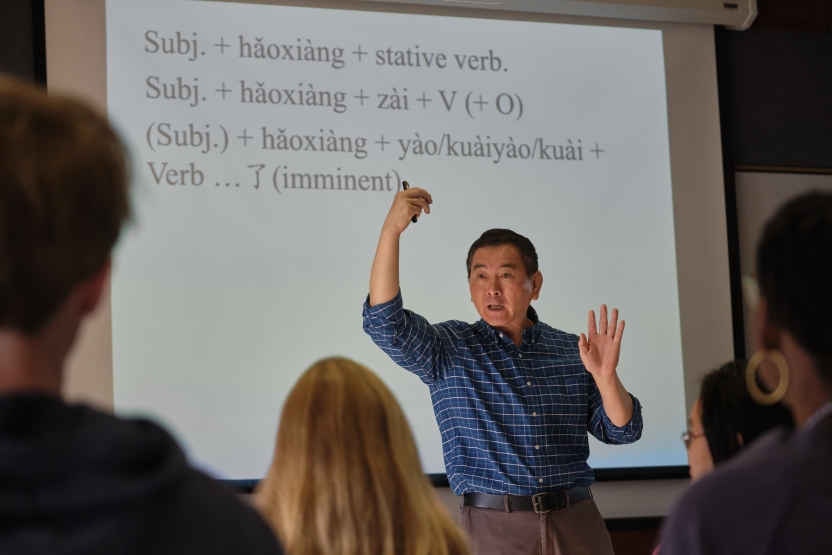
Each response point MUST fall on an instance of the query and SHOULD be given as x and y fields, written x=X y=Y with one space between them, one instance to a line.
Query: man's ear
x=537 y=283
x=93 y=287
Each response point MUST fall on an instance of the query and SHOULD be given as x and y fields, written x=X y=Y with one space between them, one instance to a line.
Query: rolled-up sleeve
x=407 y=338
x=600 y=425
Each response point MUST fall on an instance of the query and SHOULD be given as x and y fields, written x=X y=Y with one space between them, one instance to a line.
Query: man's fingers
x=603 y=325
x=418 y=200
x=590 y=324
x=582 y=343
x=418 y=193
x=619 y=333
x=613 y=321
x=422 y=204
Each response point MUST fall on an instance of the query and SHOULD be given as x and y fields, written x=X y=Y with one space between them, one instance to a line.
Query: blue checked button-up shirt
x=513 y=419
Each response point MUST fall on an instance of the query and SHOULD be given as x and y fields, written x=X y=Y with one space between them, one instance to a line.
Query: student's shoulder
x=204 y=516
x=219 y=503
x=176 y=508
x=752 y=467
x=728 y=509
x=752 y=472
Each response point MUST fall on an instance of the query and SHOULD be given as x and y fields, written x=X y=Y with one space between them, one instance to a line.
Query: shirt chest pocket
x=562 y=387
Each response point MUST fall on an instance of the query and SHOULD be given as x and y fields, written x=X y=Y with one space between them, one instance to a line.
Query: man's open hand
x=601 y=346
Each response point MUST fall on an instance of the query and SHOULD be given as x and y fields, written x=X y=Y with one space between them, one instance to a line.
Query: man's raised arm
x=600 y=350
x=384 y=277
x=406 y=337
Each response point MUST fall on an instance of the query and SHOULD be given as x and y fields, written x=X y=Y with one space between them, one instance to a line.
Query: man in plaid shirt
x=514 y=398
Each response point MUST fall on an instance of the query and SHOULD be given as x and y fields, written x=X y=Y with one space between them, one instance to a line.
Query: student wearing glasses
x=776 y=496
x=725 y=419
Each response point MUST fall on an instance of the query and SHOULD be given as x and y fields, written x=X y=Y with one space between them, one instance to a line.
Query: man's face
x=500 y=288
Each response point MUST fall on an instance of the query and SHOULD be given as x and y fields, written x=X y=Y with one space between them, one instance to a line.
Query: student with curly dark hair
x=725 y=419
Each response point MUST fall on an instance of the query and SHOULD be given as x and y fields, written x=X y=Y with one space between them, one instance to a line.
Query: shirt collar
x=529 y=334
x=533 y=331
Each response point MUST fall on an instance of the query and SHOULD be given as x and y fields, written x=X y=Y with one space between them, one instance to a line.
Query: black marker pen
x=406 y=186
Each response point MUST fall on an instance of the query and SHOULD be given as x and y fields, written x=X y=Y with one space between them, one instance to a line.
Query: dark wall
x=16 y=53
x=22 y=42
x=779 y=88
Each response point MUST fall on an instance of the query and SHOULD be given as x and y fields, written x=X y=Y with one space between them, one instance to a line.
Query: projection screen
x=268 y=142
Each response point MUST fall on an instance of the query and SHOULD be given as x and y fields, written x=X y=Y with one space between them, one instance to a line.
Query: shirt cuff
x=384 y=313
x=630 y=431
x=635 y=419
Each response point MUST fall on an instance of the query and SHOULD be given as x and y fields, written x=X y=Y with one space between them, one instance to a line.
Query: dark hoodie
x=75 y=480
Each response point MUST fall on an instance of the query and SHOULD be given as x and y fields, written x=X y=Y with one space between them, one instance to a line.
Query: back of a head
x=731 y=419
x=346 y=477
x=63 y=199
x=76 y=480
x=794 y=270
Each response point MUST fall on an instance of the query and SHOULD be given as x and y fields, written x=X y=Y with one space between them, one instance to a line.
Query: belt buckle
x=536 y=503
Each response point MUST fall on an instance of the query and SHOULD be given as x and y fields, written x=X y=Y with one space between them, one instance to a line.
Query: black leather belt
x=539 y=503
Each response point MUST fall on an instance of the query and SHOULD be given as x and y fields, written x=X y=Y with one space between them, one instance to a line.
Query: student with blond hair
x=346 y=477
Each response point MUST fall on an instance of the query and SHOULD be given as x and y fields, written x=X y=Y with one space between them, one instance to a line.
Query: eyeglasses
x=688 y=437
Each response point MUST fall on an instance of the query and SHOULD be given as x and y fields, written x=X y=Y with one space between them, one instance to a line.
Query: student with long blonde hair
x=346 y=477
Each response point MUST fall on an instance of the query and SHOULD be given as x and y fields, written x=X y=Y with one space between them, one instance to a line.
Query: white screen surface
x=224 y=294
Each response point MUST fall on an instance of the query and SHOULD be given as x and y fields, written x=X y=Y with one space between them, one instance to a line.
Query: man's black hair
x=498 y=237
x=728 y=410
x=794 y=269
